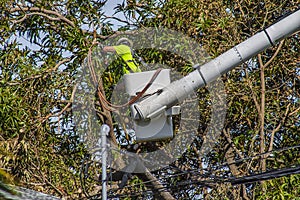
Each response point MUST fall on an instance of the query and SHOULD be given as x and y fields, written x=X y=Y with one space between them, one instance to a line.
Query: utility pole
x=104 y=132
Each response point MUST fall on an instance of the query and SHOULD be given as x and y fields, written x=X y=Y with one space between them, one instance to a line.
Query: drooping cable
x=214 y=179
x=101 y=95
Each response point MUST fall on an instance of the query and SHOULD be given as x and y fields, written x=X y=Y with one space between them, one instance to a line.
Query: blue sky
x=109 y=11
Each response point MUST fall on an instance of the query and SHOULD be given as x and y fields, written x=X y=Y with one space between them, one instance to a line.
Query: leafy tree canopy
x=43 y=45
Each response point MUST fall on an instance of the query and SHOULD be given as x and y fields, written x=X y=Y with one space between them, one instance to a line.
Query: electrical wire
x=205 y=173
x=217 y=180
x=110 y=106
x=208 y=171
x=210 y=180
x=265 y=175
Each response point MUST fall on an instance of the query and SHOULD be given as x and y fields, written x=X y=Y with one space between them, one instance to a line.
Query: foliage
x=43 y=47
x=263 y=99
x=281 y=188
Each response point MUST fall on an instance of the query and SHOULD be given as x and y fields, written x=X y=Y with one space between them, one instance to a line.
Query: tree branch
x=157 y=185
x=262 y=106
x=45 y=180
x=277 y=128
x=253 y=94
x=295 y=111
x=275 y=54
x=262 y=144
x=42 y=12
x=59 y=17
x=232 y=144
x=41 y=74
x=64 y=109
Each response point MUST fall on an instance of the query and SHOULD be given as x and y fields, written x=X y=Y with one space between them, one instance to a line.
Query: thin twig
x=278 y=127
x=275 y=54
x=65 y=108
x=232 y=144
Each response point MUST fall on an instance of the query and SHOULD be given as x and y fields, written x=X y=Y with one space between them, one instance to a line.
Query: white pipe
x=180 y=89
x=104 y=132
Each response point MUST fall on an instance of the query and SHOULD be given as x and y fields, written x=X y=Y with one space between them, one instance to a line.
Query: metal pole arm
x=180 y=89
x=104 y=132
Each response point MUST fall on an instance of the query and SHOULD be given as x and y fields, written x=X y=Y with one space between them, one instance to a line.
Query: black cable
x=207 y=174
x=265 y=175
x=217 y=180
x=207 y=171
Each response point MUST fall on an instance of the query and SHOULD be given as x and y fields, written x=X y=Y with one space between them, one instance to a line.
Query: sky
x=108 y=9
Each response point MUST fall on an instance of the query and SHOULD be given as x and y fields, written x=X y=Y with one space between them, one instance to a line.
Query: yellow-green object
x=125 y=53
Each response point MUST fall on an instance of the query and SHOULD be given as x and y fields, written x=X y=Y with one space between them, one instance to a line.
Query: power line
x=208 y=171
x=265 y=175
x=217 y=180
x=209 y=179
